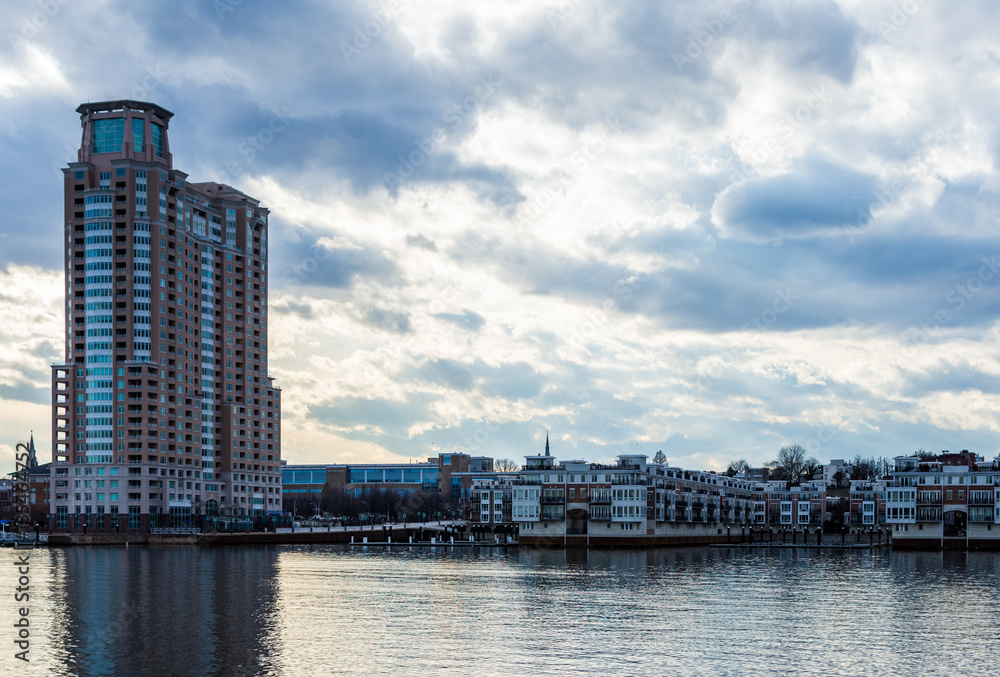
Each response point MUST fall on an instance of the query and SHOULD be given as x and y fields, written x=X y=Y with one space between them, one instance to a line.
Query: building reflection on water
x=116 y=606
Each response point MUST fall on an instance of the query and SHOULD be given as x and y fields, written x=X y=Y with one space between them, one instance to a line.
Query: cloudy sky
x=711 y=228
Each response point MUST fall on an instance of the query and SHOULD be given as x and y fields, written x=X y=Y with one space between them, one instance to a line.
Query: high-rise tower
x=163 y=412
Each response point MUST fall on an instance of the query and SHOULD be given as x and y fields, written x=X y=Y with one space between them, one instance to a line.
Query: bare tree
x=790 y=463
x=505 y=465
x=882 y=467
x=871 y=468
x=862 y=468
x=737 y=467
x=810 y=468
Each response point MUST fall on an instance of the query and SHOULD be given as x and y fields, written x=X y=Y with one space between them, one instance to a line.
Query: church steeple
x=547 y=443
x=32 y=459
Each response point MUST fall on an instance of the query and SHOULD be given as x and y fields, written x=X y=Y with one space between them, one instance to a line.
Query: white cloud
x=584 y=248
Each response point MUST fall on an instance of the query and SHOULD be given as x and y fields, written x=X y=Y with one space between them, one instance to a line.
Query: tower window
x=108 y=135
x=157 y=139
x=137 y=134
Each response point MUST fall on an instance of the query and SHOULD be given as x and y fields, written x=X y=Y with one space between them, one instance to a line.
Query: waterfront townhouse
x=630 y=502
x=801 y=507
x=868 y=506
x=490 y=504
x=948 y=501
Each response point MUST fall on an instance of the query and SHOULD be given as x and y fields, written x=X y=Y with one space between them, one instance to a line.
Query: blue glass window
x=138 y=130
x=395 y=475
x=355 y=476
x=157 y=138
x=108 y=135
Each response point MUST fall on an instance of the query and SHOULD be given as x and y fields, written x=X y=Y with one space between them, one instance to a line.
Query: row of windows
x=109 y=134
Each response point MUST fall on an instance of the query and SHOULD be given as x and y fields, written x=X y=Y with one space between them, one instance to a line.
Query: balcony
x=552 y=500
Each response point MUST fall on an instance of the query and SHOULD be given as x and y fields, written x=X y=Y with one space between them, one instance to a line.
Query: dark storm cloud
x=814 y=196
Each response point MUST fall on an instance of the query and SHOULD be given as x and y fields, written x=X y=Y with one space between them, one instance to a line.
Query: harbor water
x=339 y=610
